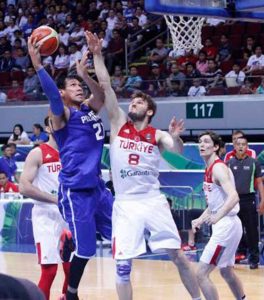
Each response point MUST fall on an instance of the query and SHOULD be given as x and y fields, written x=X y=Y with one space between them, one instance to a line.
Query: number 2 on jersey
x=99 y=134
x=133 y=159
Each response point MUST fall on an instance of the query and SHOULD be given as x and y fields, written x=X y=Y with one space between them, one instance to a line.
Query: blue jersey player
x=84 y=201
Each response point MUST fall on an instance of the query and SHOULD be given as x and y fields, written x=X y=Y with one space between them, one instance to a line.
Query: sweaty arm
x=222 y=177
x=26 y=187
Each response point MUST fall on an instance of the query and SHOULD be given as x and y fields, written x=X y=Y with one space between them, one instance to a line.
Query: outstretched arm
x=116 y=115
x=171 y=140
x=96 y=101
x=48 y=85
x=26 y=188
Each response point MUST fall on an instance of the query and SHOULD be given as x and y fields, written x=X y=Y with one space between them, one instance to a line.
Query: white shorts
x=222 y=246
x=132 y=219
x=47 y=225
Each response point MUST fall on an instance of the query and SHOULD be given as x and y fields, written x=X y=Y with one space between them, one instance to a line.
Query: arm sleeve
x=50 y=89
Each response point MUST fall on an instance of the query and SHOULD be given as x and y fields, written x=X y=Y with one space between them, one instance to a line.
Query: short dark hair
x=38 y=126
x=151 y=103
x=4 y=147
x=61 y=81
x=242 y=138
x=46 y=121
x=235 y=132
x=2 y=172
x=217 y=140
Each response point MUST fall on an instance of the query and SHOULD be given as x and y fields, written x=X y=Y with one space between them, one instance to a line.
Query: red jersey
x=231 y=154
x=10 y=187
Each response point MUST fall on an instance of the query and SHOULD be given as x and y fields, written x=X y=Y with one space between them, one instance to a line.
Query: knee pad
x=123 y=270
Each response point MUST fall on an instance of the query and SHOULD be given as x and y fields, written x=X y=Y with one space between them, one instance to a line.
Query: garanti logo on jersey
x=130 y=173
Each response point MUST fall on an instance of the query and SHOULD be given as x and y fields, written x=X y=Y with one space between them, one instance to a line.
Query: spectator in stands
x=156 y=81
x=246 y=170
x=29 y=26
x=191 y=73
x=115 y=51
x=209 y=49
x=104 y=10
x=15 y=93
x=69 y=23
x=19 y=136
x=224 y=49
x=213 y=76
x=247 y=87
x=249 y=47
x=31 y=86
x=8 y=163
x=235 y=136
x=4 y=45
x=92 y=13
x=111 y=20
x=133 y=82
x=256 y=61
x=260 y=88
x=175 y=89
x=7 y=62
x=14 y=153
x=175 y=75
x=236 y=74
x=142 y=18
x=187 y=58
x=196 y=89
x=7 y=186
x=2 y=29
x=129 y=11
x=77 y=36
x=159 y=53
x=135 y=37
x=18 y=36
x=3 y=97
x=39 y=136
x=22 y=60
x=75 y=54
x=118 y=80
x=11 y=28
x=202 y=64
x=64 y=35
x=62 y=60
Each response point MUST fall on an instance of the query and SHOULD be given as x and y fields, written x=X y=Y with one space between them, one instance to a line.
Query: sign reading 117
x=204 y=110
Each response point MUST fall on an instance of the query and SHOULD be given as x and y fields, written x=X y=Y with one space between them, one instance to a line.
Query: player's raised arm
x=171 y=140
x=26 y=187
x=96 y=101
x=115 y=113
x=48 y=85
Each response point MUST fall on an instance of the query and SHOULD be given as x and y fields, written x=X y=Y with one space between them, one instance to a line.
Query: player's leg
x=233 y=282
x=208 y=288
x=164 y=235
x=186 y=272
x=66 y=269
x=78 y=209
x=123 y=283
x=48 y=273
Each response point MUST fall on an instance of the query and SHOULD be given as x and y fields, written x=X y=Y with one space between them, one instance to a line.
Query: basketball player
x=222 y=200
x=84 y=201
x=139 y=204
x=39 y=181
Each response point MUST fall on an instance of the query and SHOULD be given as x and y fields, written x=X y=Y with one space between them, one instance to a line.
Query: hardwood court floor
x=152 y=279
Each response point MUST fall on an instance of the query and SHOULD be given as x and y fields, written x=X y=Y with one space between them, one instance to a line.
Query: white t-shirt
x=240 y=77
x=64 y=38
x=197 y=91
x=62 y=61
x=255 y=62
x=23 y=136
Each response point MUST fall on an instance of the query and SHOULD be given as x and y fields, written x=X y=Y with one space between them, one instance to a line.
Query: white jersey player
x=139 y=205
x=222 y=208
x=39 y=181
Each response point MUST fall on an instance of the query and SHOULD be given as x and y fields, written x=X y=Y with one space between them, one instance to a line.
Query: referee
x=247 y=170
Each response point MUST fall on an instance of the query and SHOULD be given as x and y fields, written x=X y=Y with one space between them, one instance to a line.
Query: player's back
x=80 y=144
x=47 y=176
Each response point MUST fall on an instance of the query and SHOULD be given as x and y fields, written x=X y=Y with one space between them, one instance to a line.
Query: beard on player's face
x=137 y=116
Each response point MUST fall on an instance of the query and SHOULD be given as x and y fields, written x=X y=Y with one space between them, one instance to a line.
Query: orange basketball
x=49 y=37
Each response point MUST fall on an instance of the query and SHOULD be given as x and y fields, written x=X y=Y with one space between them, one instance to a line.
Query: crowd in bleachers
x=231 y=61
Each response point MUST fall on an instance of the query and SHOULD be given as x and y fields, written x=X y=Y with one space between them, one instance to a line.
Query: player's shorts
x=133 y=219
x=47 y=225
x=221 y=248
x=87 y=211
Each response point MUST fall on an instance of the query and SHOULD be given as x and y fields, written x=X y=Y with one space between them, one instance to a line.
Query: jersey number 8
x=133 y=159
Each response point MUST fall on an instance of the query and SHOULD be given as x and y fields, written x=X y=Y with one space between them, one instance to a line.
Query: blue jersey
x=80 y=144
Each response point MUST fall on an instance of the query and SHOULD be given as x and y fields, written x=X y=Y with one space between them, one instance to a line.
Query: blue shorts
x=87 y=211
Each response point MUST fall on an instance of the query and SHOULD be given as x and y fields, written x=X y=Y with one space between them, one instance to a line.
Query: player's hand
x=81 y=66
x=211 y=219
x=93 y=42
x=33 y=50
x=196 y=225
x=176 y=128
